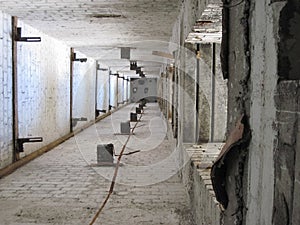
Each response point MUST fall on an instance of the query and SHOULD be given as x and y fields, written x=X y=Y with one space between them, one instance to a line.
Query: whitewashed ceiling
x=98 y=28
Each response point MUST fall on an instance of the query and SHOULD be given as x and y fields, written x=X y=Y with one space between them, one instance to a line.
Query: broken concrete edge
x=23 y=161
x=196 y=177
x=239 y=138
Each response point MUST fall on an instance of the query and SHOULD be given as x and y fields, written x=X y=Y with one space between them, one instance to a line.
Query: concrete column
x=220 y=102
x=204 y=98
x=189 y=95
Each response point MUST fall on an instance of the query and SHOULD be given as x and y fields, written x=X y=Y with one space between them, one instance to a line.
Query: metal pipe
x=71 y=89
x=109 y=89
x=213 y=86
x=197 y=95
x=15 y=124
x=225 y=41
x=96 y=89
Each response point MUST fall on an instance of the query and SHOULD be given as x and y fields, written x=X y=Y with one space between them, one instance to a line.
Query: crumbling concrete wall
x=212 y=123
x=286 y=156
x=6 y=133
x=261 y=186
x=185 y=114
x=189 y=94
x=287 y=98
x=288 y=61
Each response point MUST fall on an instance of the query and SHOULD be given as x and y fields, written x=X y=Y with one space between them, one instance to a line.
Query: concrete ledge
x=196 y=176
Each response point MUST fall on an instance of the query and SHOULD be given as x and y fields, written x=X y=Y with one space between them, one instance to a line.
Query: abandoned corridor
x=64 y=186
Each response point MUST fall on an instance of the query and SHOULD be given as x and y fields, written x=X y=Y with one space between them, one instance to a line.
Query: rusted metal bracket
x=133 y=65
x=78 y=59
x=98 y=111
x=21 y=141
x=239 y=137
x=18 y=37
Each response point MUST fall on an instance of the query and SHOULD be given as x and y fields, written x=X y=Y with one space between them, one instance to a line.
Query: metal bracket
x=19 y=37
x=75 y=120
x=133 y=65
x=111 y=107
x=98 y=111
x=80 y=59
x=21 y=141
x=101 y=69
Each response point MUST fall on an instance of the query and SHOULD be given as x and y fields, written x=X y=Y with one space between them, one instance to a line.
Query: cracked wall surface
x=264 y=37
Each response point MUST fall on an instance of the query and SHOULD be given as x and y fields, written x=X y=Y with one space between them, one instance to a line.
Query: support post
x=16 y=154
x=213 y=91
x=197 y=94
x=96 y=89
x=71 y=88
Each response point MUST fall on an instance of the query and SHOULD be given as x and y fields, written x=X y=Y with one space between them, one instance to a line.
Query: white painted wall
x=113 y=91
x=120 y=90
x=125 y=88
x=102 y=95
x=145 y=87
x=43 y=88
x=6 y=133
x=84 y=89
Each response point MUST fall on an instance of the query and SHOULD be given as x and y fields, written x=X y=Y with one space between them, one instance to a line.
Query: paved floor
x=61 y=186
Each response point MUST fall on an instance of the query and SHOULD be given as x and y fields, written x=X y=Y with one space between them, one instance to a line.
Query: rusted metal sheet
x=218 y=171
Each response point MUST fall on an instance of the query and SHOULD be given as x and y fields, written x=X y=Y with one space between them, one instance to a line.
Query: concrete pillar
x=204 y=99
x=221 y=95
x=189 y=95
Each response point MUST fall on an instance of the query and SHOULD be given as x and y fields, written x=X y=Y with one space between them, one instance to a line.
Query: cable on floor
x=112 y=185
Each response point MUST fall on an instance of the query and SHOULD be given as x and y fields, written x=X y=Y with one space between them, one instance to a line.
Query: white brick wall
x=113 y=91
x=84 y=88
x=102 y=90
x=6 y=134
x=120 y=90
x=43 y=88
x=150 y=84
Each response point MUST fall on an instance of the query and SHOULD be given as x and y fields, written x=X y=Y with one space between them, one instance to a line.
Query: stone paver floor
x=61 y=186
